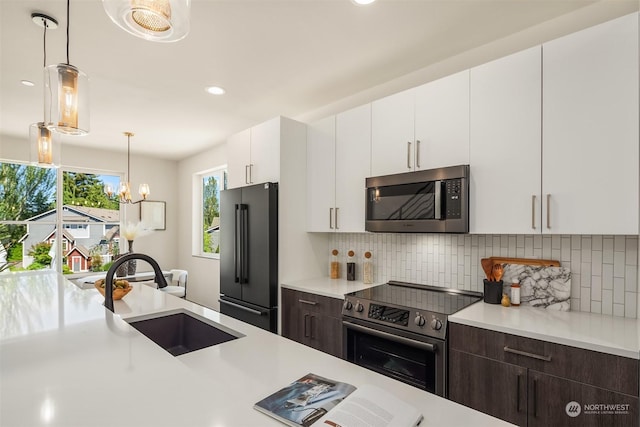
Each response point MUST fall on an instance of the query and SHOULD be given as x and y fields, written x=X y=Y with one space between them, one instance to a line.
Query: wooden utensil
x=498 y=271
x=487 y=266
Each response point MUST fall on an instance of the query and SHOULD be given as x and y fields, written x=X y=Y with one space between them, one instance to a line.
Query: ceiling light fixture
x=67 y=96
x=154 y=20
x=124 y=188
x=27 y=83
x=215 y=90
x=363 y=2
x=44 y=150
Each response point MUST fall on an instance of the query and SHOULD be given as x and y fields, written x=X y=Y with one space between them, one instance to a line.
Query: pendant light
x=154 y=20
x=45 y=147
x=124 y=188
x=67 y=95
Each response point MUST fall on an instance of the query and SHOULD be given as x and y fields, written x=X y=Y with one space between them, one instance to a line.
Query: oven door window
x=402 y=202
x=405 y=363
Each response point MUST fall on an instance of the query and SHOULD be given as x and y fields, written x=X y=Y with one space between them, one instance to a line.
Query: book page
x=370 y=406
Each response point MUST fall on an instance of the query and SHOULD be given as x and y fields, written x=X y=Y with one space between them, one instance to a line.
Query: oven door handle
x=395 y=338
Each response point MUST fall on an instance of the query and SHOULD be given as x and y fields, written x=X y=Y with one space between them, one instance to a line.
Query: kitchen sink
x=181 y=332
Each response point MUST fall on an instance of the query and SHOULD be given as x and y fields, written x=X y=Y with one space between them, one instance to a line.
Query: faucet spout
x=108 y=283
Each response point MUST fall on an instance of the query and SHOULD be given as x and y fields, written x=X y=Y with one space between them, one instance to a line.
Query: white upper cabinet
x=238 y=159
x=422 y=128
x=321 y=175
x=392 y=134
x=338 y=162
x=353 y=154
x=590 y=130
x=253 y=155
x=442 y=122
x=505 y=145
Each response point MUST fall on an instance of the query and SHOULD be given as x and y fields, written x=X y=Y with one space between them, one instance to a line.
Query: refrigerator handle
x=236 y=245
x=245 y=244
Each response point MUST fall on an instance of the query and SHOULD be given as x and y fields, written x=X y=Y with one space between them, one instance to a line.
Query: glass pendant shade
x=143 y=190
x=45 y=145
x=155 y=20
x=67 y=97
x=124 y=192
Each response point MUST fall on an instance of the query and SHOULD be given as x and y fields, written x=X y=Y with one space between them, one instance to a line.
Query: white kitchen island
x=67 y=361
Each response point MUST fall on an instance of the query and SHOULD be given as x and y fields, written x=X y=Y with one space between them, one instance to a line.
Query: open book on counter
x=318 y=401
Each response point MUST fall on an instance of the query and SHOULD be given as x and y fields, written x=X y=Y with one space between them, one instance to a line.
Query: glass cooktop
x=420 y=297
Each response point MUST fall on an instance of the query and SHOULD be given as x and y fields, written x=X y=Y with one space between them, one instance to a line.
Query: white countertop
x=67 y=361
x=598 y=332
x=333 y=288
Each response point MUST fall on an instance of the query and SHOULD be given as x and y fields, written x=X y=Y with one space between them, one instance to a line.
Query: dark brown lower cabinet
x=536 y=383
x=313 y=320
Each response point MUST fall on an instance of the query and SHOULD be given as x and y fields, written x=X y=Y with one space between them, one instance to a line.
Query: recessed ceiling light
x=363 y=2
x=215 y=90
x=27 y=83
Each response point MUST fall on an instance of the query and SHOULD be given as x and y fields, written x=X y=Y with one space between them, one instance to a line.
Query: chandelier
x=124 y=188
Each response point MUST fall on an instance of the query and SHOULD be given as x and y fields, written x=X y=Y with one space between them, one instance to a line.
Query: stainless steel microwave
x=429 y=201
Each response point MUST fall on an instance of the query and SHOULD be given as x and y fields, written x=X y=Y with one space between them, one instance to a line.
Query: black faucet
x=108 y=283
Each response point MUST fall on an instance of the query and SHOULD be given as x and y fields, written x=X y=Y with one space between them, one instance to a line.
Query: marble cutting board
x=544 y=287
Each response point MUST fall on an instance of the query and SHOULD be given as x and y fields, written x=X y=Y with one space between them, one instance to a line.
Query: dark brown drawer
x=314 y=303
x=608 y=371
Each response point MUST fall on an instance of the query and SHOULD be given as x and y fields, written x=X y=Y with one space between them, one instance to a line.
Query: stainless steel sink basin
x=180 y=332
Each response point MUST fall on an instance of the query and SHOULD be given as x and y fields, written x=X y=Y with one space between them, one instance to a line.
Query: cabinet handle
x=337 y=228
x=533 y=211
x=304 y=301
x=527 y=354
x=306 y=316
x=418 y=153
x=518 y=393
x=409 y=154
x=251 y=173
x=548 y=211
x=331 y=218
x=535 y=398
x=246 y=174
x=311 y=327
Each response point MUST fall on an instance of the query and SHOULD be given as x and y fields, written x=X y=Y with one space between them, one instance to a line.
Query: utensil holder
x=492 y=291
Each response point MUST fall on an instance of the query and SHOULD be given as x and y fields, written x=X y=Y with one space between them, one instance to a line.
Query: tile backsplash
x=604 y=269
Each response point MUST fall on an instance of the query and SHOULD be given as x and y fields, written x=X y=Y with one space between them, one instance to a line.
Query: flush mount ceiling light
x=67 y=96
x=44 y=150
x=27 y=83
x=215 y=90
x=363 y=2
x=154 y=20
x=124 y=188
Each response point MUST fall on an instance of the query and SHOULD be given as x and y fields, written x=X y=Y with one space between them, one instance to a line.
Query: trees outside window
x=210 y=183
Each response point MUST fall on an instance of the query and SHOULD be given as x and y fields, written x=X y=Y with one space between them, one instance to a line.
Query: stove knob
x=419 y=320
x=347 y=305
x=359 y=308
x=436 y=324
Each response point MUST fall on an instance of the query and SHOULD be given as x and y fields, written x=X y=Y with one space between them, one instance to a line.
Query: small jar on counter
x=515 y=294
x=351 y=266
x=367 y=269
x=335 y=265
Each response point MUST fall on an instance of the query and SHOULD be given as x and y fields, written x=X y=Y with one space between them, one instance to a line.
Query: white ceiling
x=274 y=57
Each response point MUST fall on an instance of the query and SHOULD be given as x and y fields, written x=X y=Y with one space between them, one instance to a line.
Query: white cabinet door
x=265 y=152
x=392 y=134
x=321 y=175
x=353 y=154
x=442 y=122
x=505 y=145
x=238 y=159
x=590 y=130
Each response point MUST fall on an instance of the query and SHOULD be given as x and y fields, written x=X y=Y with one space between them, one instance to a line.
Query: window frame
x=197 y=232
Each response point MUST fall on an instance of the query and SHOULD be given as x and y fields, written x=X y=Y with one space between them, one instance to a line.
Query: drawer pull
x=518 y=393
x=304 y=301
x=527 y=354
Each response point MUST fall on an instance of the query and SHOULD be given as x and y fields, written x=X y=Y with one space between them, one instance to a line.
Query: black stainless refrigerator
x=249 y=254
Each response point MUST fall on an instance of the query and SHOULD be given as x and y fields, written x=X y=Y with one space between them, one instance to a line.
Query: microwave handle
x=438 y=200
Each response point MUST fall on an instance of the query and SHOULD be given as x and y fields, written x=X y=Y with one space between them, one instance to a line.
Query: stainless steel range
x=400 y=329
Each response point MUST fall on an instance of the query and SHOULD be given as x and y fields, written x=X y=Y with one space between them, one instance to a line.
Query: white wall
x=204 y=273
x=160 y=174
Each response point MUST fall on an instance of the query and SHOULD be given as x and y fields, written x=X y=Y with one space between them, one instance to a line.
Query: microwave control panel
x=453 y=198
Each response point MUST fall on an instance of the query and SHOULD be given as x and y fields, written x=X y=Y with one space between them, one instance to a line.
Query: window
x=206 y=232
x=31 y=217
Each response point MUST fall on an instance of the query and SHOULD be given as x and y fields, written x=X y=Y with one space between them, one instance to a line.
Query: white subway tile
x=618 y=264
x=631 y=278
x=585 y=301
x=607 y=302
x=631 y=253
x=596 y=288
x=607 y=250
x=575 y=242
x=618 y=310
x=556 y=242
x=618 y=290
x=596 y=307
x=596 y=263
x=630 y=305
x=607 y=276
